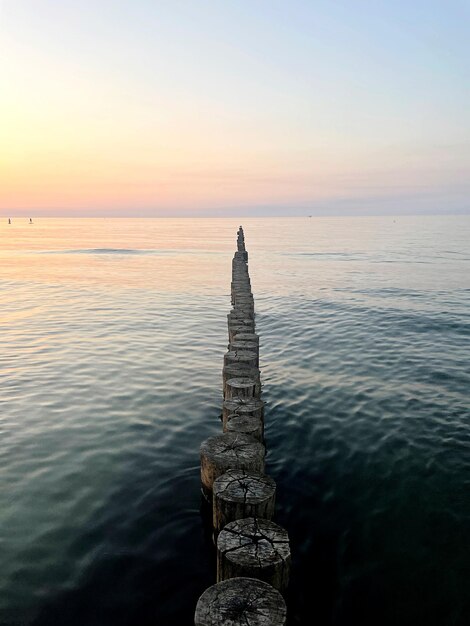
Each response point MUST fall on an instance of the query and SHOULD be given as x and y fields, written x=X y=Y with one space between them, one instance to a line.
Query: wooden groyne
x=253 y=553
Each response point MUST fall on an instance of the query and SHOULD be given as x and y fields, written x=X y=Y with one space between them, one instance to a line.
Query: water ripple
x=111 y=377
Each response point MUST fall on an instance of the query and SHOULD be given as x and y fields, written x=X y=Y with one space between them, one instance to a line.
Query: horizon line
x=454 y=213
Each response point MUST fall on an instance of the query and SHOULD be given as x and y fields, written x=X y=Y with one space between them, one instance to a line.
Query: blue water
x=112 y=335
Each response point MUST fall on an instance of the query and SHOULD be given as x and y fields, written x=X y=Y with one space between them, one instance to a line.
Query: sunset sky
x=260 y=107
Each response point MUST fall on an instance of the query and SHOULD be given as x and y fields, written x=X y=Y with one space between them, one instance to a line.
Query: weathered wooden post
x=248 y=358
x=237 y=345
x=240 y=259
x=242 y=304
x=238 y=288
x=243 y=311
x=236 y=370
x=242 y=387
x=241 y=324
x=240 y=493
x=244 y=315
x=246 y=425
x=237 y=328
x=243 y=298
x=241 y=285
x=242 y=406
x=228 y=451
x=256 y=548
x=251 y=337
x=241 y=602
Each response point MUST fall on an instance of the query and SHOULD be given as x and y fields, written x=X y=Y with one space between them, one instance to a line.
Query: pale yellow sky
x=158 y=111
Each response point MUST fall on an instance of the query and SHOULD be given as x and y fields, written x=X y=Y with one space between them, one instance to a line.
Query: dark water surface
x=112 y=334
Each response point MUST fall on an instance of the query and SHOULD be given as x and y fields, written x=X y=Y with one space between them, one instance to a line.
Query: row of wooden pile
x=253 y=553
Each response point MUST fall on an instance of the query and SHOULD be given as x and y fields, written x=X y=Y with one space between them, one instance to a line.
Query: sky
x=221 y=108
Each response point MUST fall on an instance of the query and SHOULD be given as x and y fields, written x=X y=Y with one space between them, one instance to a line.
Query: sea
x=112 y=336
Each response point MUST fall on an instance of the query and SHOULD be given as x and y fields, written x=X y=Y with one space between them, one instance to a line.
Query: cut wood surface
x=234 y=329
x=238 y=344
x=242 y=406
x=242 y=387
x=240 y=493
x=228 y=451
x=241 y=602
x=240 y=370
x=243 y=315
x=245 y=357
x=245 y=424
x=256 y=548
x=238 y=285
x=241 y=286
x=243 y=296
x=251 y=337
x=246 y=314
x=243 y=307
x=242 y=301
x=242 y=320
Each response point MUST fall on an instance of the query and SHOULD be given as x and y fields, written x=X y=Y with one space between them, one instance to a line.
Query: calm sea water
x=112 y=335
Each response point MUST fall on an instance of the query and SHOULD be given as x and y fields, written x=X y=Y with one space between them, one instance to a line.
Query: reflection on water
x=112 y=335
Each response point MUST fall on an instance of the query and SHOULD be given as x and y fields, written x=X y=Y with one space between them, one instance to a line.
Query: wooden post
x=251 y=337
x=237 y=289
x=242 y=317
x=241 y=602
x=237 y=370
x=243 y=307
x=243 y=303
x=241 y=282
x=242 y=314
x=256 y=548
x=235 y=329
x=244 y=298
x=243 y=387
x=242 y=294
x=239 y=493
x=244 y=311
x=241 y=406
x=237 y=345
x=245 y=424
x=239 y=260
x=249 y=358
x=226 y=451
